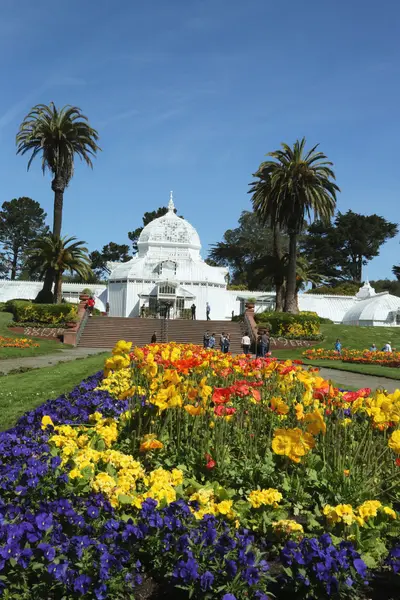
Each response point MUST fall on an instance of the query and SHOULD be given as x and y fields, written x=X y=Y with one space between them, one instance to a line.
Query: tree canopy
x=111 y=252
x=247 y=251
x=21 y=221
x=58 y=136
x=340 y=250
x=51 y=253
x=297 y=184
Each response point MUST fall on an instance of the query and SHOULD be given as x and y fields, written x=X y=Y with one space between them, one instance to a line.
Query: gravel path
x=46 y=360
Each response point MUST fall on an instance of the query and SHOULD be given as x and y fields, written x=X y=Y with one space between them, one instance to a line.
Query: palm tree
x=292 y=187
x=51 y=254
x=58 y=136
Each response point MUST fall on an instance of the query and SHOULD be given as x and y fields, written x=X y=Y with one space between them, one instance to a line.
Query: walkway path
x=358 y=380
x=45 y=360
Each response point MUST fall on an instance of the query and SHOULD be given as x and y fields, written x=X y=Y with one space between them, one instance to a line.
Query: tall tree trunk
x=279 y=296
x=58 y=288
x=14 y=265
x=46 y=295
x=290 y=301
x=279 y=280
x=58 y=187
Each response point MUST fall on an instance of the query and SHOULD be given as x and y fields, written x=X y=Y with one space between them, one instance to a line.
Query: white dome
x=168 y=230
x=379 y=309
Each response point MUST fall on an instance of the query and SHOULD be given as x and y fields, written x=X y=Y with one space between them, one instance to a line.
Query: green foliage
x=55 y=255
x=58 y=136
x=346 y=288
x=54 y=314
x=295 y=185
x=303 y=325
x=387 y=285
x=111 y=252
x=248 y=252
x=339 y=251
x=21 y=221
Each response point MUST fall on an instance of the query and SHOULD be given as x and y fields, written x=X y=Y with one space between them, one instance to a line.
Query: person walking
x=246 y=343
x=258 y=347
x=211 y=341
x=143 y=311
x=338 y=346
x=107 y=309
x=264 y=343
x=154 y=338
x=206 y=339
x=193 y=309
x=208 y=310
x=221 y=341
x=90 y=306
x=227 y=343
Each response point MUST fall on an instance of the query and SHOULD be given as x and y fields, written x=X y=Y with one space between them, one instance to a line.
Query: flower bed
x=221 y=477
x=9 y=342
x=366 y=357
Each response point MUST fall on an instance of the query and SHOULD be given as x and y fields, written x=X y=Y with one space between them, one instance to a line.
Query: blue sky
x=190 y=95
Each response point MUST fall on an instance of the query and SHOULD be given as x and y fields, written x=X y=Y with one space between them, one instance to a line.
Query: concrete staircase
x=104 y=332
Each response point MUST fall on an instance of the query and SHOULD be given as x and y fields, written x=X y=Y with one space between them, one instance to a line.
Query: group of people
x=209 y=341
x=386 y=348
x=193 y=309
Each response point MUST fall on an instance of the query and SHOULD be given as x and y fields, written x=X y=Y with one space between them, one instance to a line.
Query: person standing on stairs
x=246 y=343
x=211 y=341
x=227 y=343
x=154 y=338
x=193 y=309
x=206 y=339
x=208 y=310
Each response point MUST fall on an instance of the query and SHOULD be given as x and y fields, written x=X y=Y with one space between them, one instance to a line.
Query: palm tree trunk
x=46 y=295
x=279 y=280
x=58 y=187
x=290 y=301
x=58 y=288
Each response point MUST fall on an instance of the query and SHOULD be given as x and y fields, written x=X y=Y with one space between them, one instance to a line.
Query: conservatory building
x=168 y=274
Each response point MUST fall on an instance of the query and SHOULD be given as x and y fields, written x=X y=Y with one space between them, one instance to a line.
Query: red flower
x=221 y=395
x=207 y=456
x=223 y=411
x=397 y=462
x=211 y=464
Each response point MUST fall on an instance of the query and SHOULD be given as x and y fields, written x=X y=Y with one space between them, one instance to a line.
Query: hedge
x=304 y=324
x=24 y=311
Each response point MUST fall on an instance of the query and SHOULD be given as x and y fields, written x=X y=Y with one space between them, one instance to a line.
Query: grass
x=22 y=392
x=354 y=338
x=45 y=346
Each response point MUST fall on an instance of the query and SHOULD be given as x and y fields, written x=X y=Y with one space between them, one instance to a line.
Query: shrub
x=304 y=325
x=86 y=291
x=43 y=314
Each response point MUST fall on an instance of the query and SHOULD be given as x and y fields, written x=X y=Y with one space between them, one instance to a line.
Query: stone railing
x=71 y=336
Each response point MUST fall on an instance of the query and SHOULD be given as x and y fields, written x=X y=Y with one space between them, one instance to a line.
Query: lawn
x=45 y=346
x=22 y=392
x=355 y=338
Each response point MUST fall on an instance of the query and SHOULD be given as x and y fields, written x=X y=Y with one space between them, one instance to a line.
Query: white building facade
x=168 y=275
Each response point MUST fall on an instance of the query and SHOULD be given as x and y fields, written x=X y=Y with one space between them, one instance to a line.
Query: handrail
x=82 y=326
x=251 y=325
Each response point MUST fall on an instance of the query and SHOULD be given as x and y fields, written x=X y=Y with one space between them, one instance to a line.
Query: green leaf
x=124 y=499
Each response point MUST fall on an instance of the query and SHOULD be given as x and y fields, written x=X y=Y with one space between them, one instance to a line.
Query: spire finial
x=171 y=205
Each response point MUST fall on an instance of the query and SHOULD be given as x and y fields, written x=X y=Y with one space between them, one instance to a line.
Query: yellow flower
x=390 y=512
x=340 y=513
x=268 y=497
x=299 y=408
x=46 y=421
x=369 y=509
x=346 y=472
x=287 y=526
x=194 y=411
x=316 y=423
x=150 y=443
x=394 y=441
